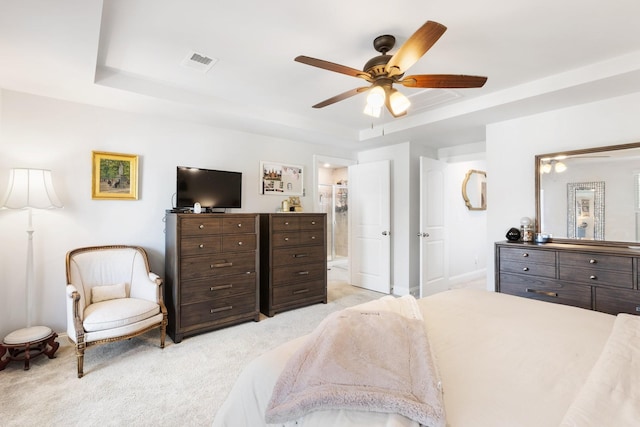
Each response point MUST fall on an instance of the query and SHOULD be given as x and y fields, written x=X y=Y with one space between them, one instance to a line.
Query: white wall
x=58 y=135
x=512 y=146
x=467 y=230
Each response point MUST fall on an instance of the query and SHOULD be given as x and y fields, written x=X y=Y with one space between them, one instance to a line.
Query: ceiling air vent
x=198 y=61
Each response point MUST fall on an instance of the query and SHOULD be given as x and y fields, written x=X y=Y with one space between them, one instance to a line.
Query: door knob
x=386 y=233
x=423 y=234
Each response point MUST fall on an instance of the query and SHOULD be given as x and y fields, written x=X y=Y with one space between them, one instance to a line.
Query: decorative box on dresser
x=211 y=271
x=293 y=263
x=601 y=278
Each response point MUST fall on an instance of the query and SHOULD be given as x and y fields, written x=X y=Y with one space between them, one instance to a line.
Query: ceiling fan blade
x=416 y=46
x=443 y=81
x=326 y=65
x=342 y=96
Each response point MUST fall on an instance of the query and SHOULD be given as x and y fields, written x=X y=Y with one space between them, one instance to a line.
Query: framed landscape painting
x=114 y=176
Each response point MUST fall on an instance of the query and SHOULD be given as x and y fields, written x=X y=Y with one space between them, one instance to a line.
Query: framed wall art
x=280 y=179
x=114 y=176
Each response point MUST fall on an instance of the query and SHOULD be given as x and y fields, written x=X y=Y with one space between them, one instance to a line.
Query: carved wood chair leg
x=80 y=356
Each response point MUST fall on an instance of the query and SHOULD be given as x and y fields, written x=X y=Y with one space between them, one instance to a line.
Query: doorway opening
x=332 y=197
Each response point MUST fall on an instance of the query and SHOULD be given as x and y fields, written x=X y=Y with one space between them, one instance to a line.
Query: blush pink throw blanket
x=366 y=360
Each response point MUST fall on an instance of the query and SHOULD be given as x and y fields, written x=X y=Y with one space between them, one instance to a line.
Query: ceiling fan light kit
x=384 y=70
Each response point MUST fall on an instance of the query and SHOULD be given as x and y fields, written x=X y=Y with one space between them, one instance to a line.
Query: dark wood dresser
x=601 y=278
x=211 y=271
x=293 y=261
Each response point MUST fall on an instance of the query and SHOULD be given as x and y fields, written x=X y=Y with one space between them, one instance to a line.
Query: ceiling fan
x=384 y=70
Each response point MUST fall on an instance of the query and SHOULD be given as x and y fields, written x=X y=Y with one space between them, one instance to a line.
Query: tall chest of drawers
x=211 y=271
x=600 y=278
x=293 y=251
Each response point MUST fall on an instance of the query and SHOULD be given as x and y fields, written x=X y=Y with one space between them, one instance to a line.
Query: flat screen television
x=211 y=188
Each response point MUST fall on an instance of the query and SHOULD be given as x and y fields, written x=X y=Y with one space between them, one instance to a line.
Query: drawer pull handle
x=313 y=223
x=525 y=254
x=286 y=223
x=201 y=226
x=286 y=239
x=201 y=245
x=593 y=277
x=240 y=243
x=239 y=225
x=593 y=261
x=218 y=310
x=221 y=265
x=300 y=291
x=300 y=255
x=525 y=269
x=303 y=273
x=218 y=288
x=313 y=237
x=545 y=293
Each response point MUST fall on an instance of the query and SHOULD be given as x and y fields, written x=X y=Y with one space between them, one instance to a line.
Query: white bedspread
x=611 y=394
x=504 y=361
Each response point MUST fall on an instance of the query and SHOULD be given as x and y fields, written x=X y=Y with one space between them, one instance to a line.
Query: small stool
x=27 y=343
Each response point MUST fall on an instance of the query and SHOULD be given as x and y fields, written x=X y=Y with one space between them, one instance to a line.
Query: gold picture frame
x=114 y=176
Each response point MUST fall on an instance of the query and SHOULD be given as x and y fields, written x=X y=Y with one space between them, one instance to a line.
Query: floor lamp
x=30 y=189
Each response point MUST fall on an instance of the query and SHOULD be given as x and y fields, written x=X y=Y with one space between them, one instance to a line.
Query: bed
x=501 y=361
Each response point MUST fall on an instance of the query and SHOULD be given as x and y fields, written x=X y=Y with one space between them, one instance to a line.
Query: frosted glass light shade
x=30 y=188
x=398 y=102
x=372 y=111
x=376 y=96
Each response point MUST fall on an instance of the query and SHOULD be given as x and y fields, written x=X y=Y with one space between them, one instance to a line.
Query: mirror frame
x=539 y=157
x=465 y=196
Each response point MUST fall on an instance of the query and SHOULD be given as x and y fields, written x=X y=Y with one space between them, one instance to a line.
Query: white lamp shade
x=398 y=102
x=376 y=97
x=372 y=111
x=30 y=188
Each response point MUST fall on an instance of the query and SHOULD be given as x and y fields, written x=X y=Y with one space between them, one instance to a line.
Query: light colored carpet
x=136 y=383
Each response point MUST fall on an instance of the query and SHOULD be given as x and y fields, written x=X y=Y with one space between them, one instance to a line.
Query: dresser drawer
x=217 y=309
x=312 y=222
x=596 y=276
x=283 y=295
x=200 y=225
x=285 y=223
x=606 y=262
x=201 y=245
x=284 y=240
x=546 y=290
x=217 y=287
x=298 y=255
x=529 y=269
x=614 y=301
x=238 y=242
x=298 y=273
x=217 y=265
x=530 y=255
x=311 y=237
x=238 y=225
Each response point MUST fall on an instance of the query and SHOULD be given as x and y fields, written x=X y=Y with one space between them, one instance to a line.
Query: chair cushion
x=119 y=312
x=107 y=292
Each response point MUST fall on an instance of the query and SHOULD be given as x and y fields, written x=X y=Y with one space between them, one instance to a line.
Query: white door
x=369 y=228
x=432 y=235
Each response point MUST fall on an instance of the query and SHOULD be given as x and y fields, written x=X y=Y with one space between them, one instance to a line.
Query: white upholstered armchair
x=111 y=296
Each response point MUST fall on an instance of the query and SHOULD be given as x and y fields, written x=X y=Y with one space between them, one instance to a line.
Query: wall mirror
x=590 y=196
x=474 y=190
